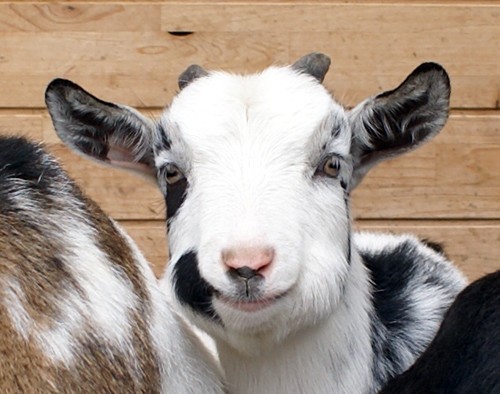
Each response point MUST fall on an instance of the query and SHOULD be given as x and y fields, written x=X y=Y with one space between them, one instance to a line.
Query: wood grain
x=454 y=176
x=125 y=52
x=78 y=16
x=474 y=246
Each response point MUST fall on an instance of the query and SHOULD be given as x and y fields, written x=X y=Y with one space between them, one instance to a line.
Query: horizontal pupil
x=334 y=165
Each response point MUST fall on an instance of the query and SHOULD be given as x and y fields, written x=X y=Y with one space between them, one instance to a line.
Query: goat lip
x=249 y=306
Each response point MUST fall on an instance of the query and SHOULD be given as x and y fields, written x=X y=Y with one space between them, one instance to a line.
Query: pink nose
x=256 y=258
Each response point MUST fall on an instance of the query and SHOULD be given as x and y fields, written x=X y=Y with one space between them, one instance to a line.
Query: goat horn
x=190 y=74
x=315 y=64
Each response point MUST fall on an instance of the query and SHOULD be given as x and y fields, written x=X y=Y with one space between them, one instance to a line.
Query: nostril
x=246 y=272
x=248 y=261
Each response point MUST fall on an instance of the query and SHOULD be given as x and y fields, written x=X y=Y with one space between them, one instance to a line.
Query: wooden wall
x=132 y=53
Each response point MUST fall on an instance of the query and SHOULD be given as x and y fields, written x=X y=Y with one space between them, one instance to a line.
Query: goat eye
x=173 y=174
x=331 y=167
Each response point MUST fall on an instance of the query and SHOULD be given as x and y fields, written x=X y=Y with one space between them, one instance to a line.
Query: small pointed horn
x=190 y=74
x=315 y=64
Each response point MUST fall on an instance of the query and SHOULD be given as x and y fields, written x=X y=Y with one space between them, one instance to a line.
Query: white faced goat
x=80 y=310
x=257 y=171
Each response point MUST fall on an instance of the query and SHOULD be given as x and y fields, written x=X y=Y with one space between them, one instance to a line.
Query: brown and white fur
x=80 y=309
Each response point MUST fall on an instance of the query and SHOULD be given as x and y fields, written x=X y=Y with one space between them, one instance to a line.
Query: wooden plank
x=64 y=16
x=474 y=246
x=122 y=51
x=137 y=69
x=372 y=46
x=29 y=125
x=454 y=176
x=396 y=17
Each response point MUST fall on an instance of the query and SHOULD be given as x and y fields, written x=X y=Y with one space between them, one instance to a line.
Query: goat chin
x=80 y=309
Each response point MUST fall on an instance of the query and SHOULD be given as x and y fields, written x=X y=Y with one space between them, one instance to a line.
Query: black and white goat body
x=257 y=172
x=80 y=309
x=464 y=357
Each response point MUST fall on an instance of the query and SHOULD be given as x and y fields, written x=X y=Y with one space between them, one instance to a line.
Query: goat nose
x=247 y=262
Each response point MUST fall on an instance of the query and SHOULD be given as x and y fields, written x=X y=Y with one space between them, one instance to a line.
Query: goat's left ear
x=109 y=133
x=399 y=120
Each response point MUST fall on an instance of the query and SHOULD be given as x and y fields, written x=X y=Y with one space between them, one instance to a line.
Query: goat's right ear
x=110 y=133
x=399 y=120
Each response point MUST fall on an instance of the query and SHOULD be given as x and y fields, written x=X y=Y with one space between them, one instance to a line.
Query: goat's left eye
x=330 y=167
x=173 y=174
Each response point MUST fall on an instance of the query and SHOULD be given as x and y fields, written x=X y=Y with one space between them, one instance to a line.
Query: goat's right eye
x=173 y=174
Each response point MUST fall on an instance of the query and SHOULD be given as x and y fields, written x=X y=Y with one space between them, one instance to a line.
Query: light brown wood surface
x=125 y=49
x=132 y=53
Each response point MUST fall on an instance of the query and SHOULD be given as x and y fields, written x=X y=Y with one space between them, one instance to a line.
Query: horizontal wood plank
x=124 y=52
x=78 y=16
x=473 y=246
x=326 y=16
x=453 y=176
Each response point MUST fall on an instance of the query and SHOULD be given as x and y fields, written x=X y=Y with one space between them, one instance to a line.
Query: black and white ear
x=315 y=64
x=399 y=120
x=114 y=134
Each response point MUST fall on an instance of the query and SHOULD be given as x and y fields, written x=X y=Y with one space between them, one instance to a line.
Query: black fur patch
x=349 y=230
x=464 y=357
x=395 y=272
x=176 y=194
x=27 y=162
x=390 y=270
x=191 y=288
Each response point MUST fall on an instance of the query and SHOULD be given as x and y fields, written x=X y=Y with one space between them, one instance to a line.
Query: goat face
x=263 y=164
x=256 y=171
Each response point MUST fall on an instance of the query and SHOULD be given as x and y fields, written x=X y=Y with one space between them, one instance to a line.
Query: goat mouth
x=245 y=305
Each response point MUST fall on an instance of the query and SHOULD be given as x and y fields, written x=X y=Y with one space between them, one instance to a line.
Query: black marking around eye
x=176 y=194
x=191 y=289
x=349 y=229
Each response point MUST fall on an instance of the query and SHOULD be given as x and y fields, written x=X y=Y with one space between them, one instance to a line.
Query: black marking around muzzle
x=191 y=289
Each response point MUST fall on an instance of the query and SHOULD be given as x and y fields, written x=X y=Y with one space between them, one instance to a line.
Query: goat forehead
x=277 y=110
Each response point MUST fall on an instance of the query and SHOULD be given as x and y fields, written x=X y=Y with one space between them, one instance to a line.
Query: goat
x=464 y=357
x=80 y=309
x=257 y=172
